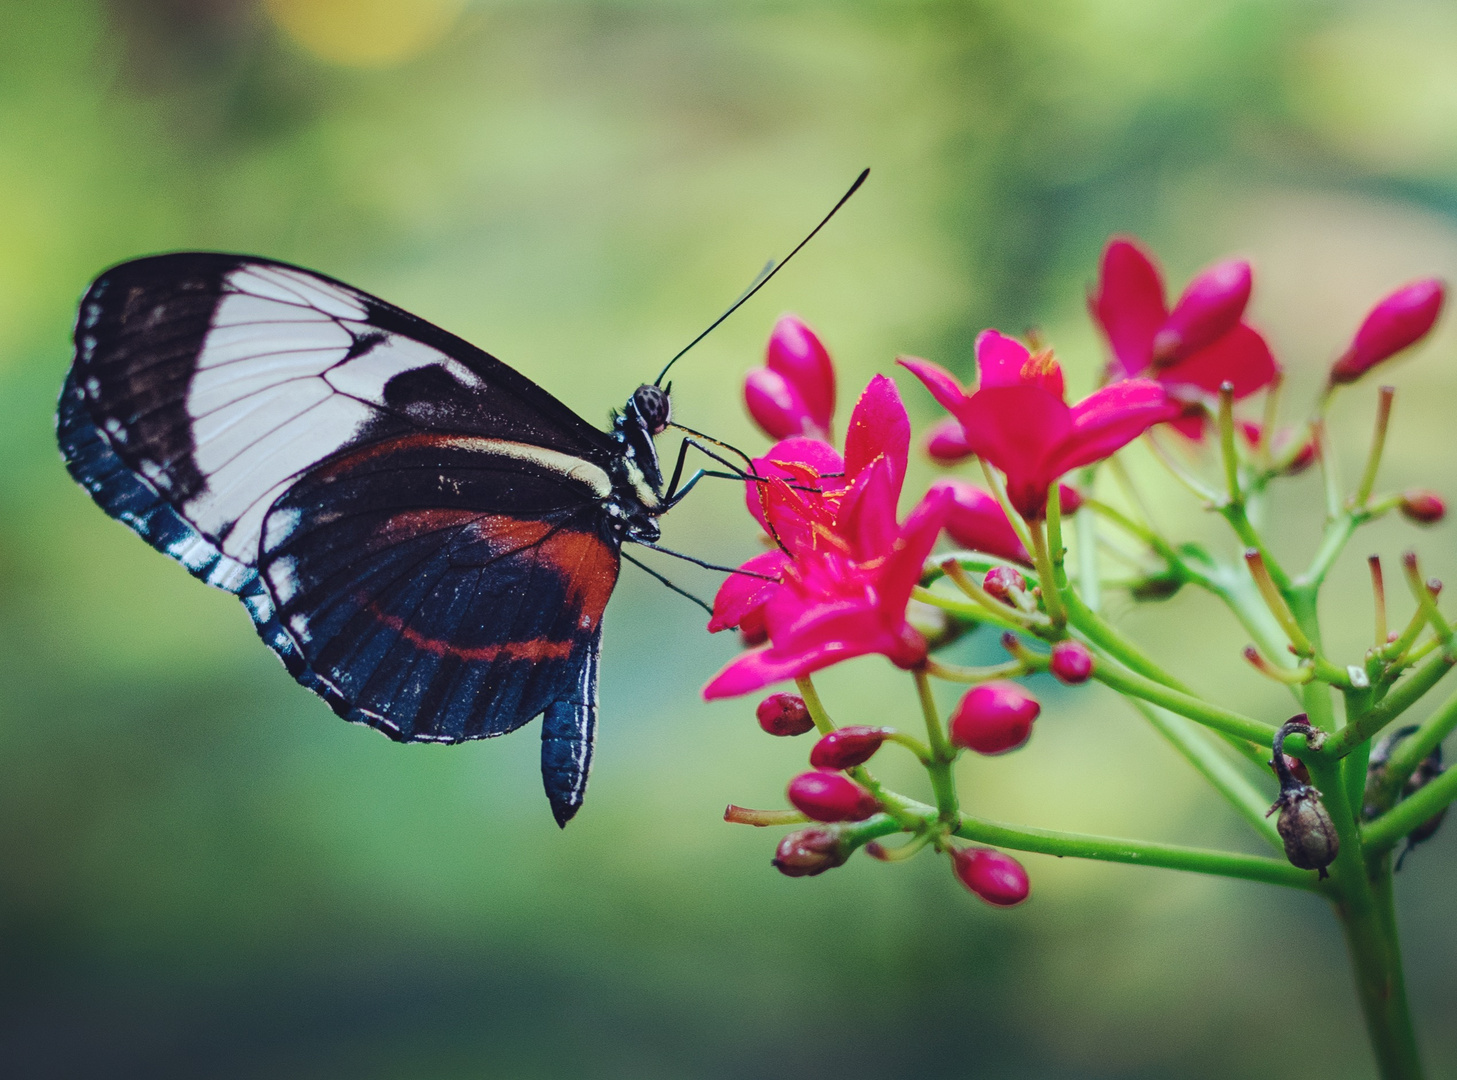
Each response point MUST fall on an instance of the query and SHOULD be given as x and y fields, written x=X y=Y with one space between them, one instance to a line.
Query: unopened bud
x=807 y=852
x=996 y=878
x=1000 y=581
x=1071 y=662
x=784 y=714
x=846 y=747
x=829 y=796
x=1398 y=321
x=1423 y=507
x=797 y=353
x=994 y=717
x=946 y=442
x=775 y=405
x=976 y=521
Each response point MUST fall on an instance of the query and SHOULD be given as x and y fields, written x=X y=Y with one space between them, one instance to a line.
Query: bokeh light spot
x=365 y=33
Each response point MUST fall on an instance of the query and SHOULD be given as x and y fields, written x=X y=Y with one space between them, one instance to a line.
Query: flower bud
x=846 y=747
x=1210 y=308
x=828 y=796
x=775 y=405
x=1001 y=580
x=976 y=520
x=996 y=878
x=1071 y=662
x=807 y=852
x=1069 y=500
x=994 y=717
x=1400 y=320
x=1306 y=828
x=1423 y=507
x=796 y=353
x=946 y=443
x=784 y=714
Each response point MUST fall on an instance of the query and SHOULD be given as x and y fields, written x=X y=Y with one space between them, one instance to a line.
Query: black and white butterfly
x=424 y=536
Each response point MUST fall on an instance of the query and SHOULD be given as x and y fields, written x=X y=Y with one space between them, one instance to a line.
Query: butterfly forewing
x=418 y=530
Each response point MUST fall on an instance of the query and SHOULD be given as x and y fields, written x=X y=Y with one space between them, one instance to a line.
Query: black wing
x=216 y=397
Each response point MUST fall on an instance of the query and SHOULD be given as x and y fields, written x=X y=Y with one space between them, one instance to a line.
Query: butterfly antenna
x=770 y=269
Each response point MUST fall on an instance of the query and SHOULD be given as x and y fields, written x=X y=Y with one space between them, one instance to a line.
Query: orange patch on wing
x=589 y=569
x=533 y=649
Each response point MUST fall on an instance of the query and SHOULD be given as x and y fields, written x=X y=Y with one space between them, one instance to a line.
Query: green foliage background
x=204 y=874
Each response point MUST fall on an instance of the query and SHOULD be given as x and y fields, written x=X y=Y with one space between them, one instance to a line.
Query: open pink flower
x=845 y=567
x=1018 y=421
x=1193 y=349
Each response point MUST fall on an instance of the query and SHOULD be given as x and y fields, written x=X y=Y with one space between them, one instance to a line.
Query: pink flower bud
x=807 y=852
x=1001 y=580
x=1069 y=500
x=1071 y=662
x=946 y=442
x=994 y=717
x=1400 y=320
x=976 y=520
x=796 y=353
x=784 y=714
x=829 y=796
x=1423 y=507
x=775 y=405
x=847 y=747
x=1210 y=308
x=996 y=878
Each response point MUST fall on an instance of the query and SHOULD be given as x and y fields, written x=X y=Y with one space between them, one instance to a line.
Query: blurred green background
x=204 y=874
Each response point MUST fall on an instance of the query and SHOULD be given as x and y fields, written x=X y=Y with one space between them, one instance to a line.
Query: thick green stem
x=942 y=752
x=1142 y=852
x=1412 y=751
x=1390 y=827
x=1214 y=716
x=1370 y=930
x=1406 y=694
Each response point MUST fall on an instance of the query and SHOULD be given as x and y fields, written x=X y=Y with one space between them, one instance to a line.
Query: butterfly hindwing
x=417 y=530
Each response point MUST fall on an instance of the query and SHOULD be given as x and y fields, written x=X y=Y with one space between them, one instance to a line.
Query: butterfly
x=425 y=537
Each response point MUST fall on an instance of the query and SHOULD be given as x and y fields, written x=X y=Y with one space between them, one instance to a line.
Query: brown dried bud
x=1310 y=836
x=807 y=852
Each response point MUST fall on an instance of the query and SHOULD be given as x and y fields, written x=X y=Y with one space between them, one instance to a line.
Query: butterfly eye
x=651 y=403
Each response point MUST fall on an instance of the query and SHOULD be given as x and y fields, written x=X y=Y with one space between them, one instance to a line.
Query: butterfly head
x=650 y=405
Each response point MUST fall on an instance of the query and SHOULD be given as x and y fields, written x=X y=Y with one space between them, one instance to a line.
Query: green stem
x=1406 y=694
x=1051 y=594
x=1371 y=939
x=1412 y=751
x=815 y=706
x=1210 y=715
x=1205 y=756
x=942 y=752
x=1370 y=932
x=1142 y=852
x=1387 y=830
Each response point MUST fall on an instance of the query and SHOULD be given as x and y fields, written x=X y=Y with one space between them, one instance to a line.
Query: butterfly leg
x=676 y=493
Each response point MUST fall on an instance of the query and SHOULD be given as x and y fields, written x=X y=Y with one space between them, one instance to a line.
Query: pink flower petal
x=945 y=442
x=999 y=359
x=1129 y=304
x=1401 y=319
x=1108 y=420
x=944 y=386
x=818 y=455
x=1210 y=307
x=907 y=560
x=867 y=513
x=740 y=594
x=1015 y=428
x=1241 y=357
x=878 y=426
x=976 y=521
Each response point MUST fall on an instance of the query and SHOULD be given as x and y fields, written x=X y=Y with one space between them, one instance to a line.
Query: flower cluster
x=846 y=574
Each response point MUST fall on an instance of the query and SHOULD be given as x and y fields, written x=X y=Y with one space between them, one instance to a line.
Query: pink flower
x=1193 y=349
x=977 y=522
x=794 y=393
x=846 y=567
x=1397 y=322
x=1018 y=421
